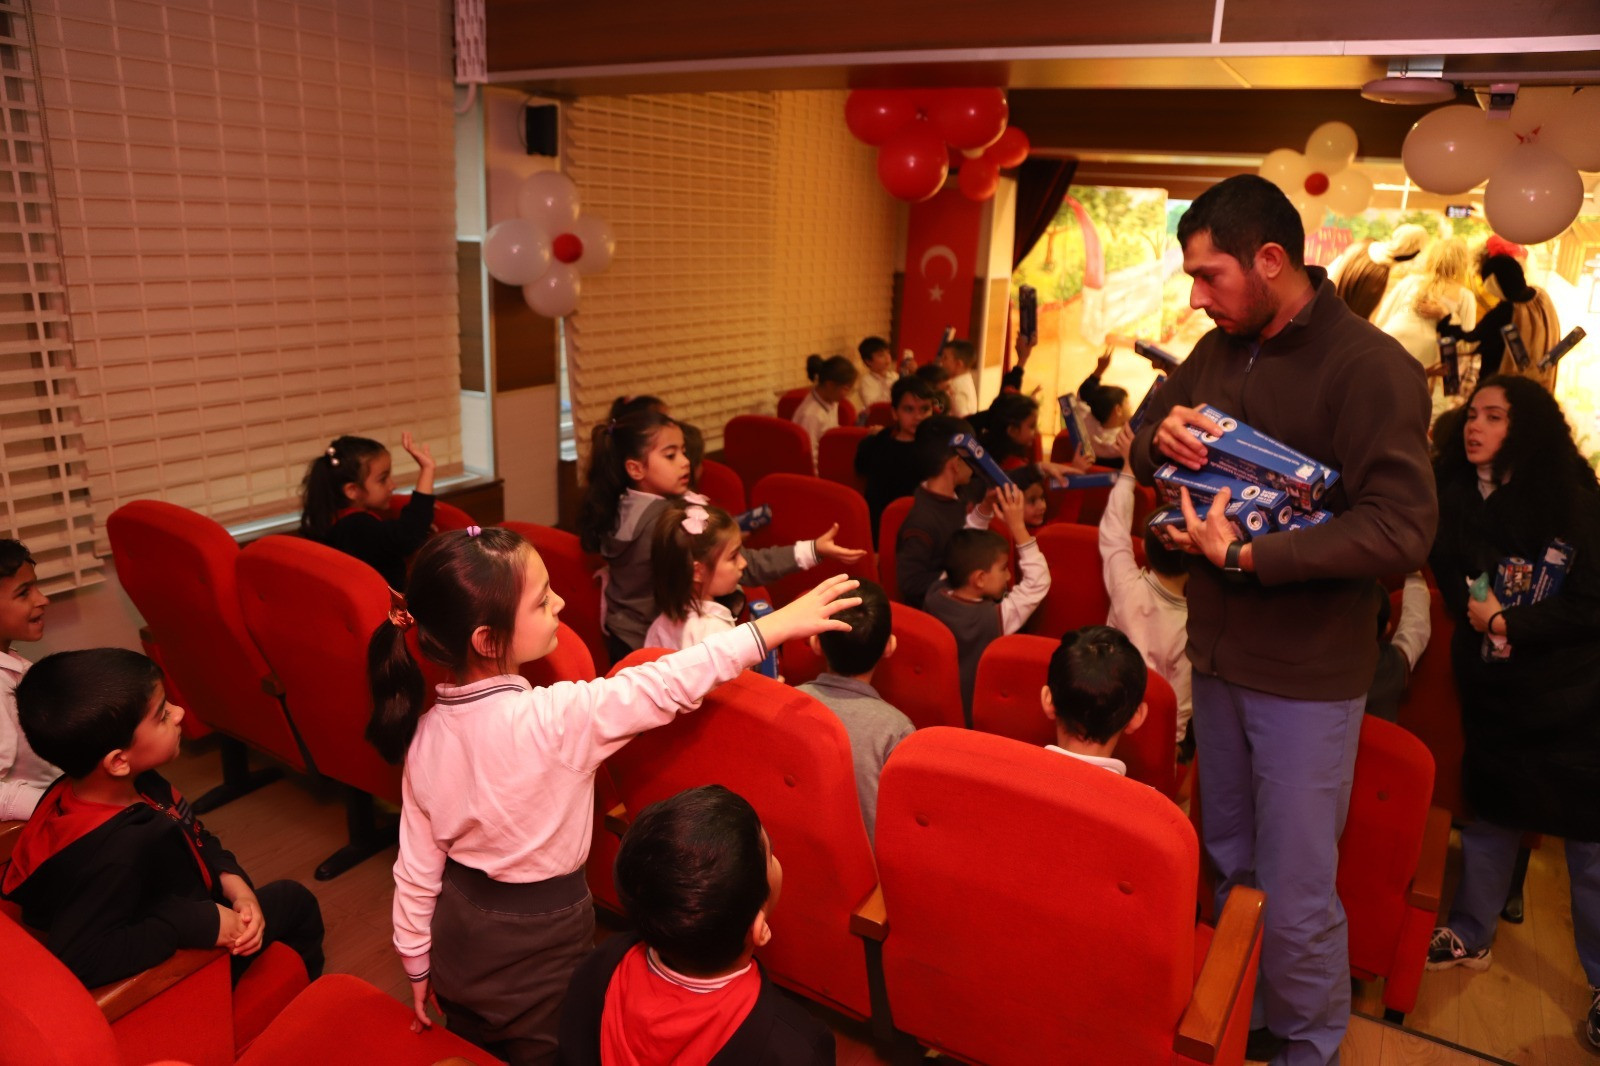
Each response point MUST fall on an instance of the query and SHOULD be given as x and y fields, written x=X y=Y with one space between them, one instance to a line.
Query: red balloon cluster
x=920 y=133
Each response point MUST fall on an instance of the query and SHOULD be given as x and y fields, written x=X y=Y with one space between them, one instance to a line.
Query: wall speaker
x=540 y=122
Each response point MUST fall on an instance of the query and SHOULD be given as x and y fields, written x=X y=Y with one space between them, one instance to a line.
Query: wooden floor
x=1525 y=1009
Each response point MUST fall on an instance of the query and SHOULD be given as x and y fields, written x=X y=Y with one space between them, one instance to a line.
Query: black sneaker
x=1447 y=950
x=1594 y=1015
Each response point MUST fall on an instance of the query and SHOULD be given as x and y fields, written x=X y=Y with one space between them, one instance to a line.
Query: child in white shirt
x=23 y=775
x=874 y=385
x=490 y=909
x=832 y=378
x=1094 y=694
x=697 y=557
x=959 y=359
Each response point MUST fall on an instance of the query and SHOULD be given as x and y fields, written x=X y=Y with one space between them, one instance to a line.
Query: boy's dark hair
x=612 y=445
x=913 y=384
x=692 y=874
x=964 y=351
x=934 y=374
x=855 y=652
x=932 y=443
x=972 y=550
x=623 y=406
x=1096 y=680
x=13 y=557
x=76 y=707
x=834 y=370
x=1160 y=558
x=342 y=463
x=1105 y=400
x=1242 y=213
x=871 y=347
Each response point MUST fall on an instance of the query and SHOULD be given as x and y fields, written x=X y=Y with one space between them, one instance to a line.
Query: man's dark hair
x=1096 y=680
x=1242 y=213
x=858 y=650
x=932 y=443
x=692 y=874
x=912 y=384
x=971 y=550
x=76 y=707
x=871 y=347
x=13 y=557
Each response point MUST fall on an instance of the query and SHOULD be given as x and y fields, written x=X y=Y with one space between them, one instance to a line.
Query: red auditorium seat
x=758 y=445
x=1005 y=702
x=48 y=1019
x=880 y=414
x=1087 y=879
x=1391 y=862
x=921 y=679
x=790 y=402
x=320 y=657
x=836 y=456
x=179 y=569
x=803 y=507
x=193 y=728
x=722 y=486
x=803 y=785
x=445 y=515
x=1432 y=709
x=1077 y=595
x=572 y=575
x=569 y=660
x=889 y=524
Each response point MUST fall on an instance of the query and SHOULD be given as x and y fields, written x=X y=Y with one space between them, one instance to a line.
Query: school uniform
x=875 y=728
x=23 y=775
x=925 y=536
x=384 y=543
x=963 y=393
x=1116 y=766
x=816 y=418
x=705 y=618
x=874 y=388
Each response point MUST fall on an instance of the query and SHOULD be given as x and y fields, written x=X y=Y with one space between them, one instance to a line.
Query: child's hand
x=1124 y=444
x=421 y=998
x=1012 y=508
x=1025 y=345
x=420 y=452
x=1102 y=363
x=811 y=613
x=827 y=549
x=229 y=926
x=253 y=925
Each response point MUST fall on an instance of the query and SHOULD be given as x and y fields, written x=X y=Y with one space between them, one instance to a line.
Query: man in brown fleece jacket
x=1281 y=630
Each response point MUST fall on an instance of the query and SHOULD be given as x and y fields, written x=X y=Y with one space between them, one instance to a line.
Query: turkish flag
x=941 y=263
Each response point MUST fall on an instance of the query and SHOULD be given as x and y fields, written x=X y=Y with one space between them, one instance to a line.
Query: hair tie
x=611 y=427
x=333 y=456
x=694 y=520
x=399 y=617
x=695 y=497
x=473 y=531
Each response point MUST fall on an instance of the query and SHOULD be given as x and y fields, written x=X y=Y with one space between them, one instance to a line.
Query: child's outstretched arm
x=765 y=565
x=1028 y=593
x=425 y=464
x=1118 y=566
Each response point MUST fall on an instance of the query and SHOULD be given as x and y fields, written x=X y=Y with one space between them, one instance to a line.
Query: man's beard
x=1259 y=310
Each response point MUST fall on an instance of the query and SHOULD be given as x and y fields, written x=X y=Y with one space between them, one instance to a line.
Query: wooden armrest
x=272 y=686
x=147 y=636
x=617 y=819
x=9 y=831
x=121 y=997
x=1201 y=1029
x=1428 y=884
x=870 y=920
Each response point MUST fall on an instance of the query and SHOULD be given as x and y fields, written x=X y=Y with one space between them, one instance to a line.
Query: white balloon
x=1536 y=105
x=1287 y=169
x=1311 y=210
x=1574 y=130
x=516 y=251
x=1533 y=195
x=1451 y=150
x=1331 y=146
x=1349 y=192
x=555 y=295
x=599 y=243
x=550 y=199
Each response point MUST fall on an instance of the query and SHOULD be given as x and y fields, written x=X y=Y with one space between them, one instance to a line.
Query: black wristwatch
x=1230 y=562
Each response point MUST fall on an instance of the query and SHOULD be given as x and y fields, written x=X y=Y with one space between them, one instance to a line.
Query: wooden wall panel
x=1384 y=20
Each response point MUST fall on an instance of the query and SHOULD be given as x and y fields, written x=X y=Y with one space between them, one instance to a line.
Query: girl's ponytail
x=322 y=496
x=611 y=446
x=814 y=367
x=834 y=370
x=398 y=692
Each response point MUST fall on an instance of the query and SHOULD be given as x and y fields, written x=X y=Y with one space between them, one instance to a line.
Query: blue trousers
x=1488 y=853
x=1274 y=779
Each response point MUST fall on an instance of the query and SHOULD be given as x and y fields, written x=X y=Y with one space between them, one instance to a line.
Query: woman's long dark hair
x=1538 y=461
x=458 y=583
x=322 y=492
x=613 y=444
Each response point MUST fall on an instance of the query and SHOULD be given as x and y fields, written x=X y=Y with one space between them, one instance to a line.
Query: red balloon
x=914 y=163
x=969 y=118
x=979 y=179
x=875 y=115
x=1010 y=150
x=566 y=248
x=1316 y=183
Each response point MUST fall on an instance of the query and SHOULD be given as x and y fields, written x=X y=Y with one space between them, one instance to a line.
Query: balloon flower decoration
x=920 y=133
x=1530 y=158
x=1320 y=179
x=549 y=245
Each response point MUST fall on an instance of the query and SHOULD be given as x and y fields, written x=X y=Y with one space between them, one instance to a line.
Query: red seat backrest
x=1151 y=751
x=569 y=660
x=446 y=516
x=179 y=569
x=1077 y=595
x=312 y=611
x=1432 y=709
x=836 y=456
x=572 y=575
x=790 y=402
x=980 y=837
x=880 y=414
x=790 y=757
x=1005 y=697
x=803 y=508
x=758 y=445
x=1382 y=839
x=47 y=1017
x=889 y=524
x=722 y=486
